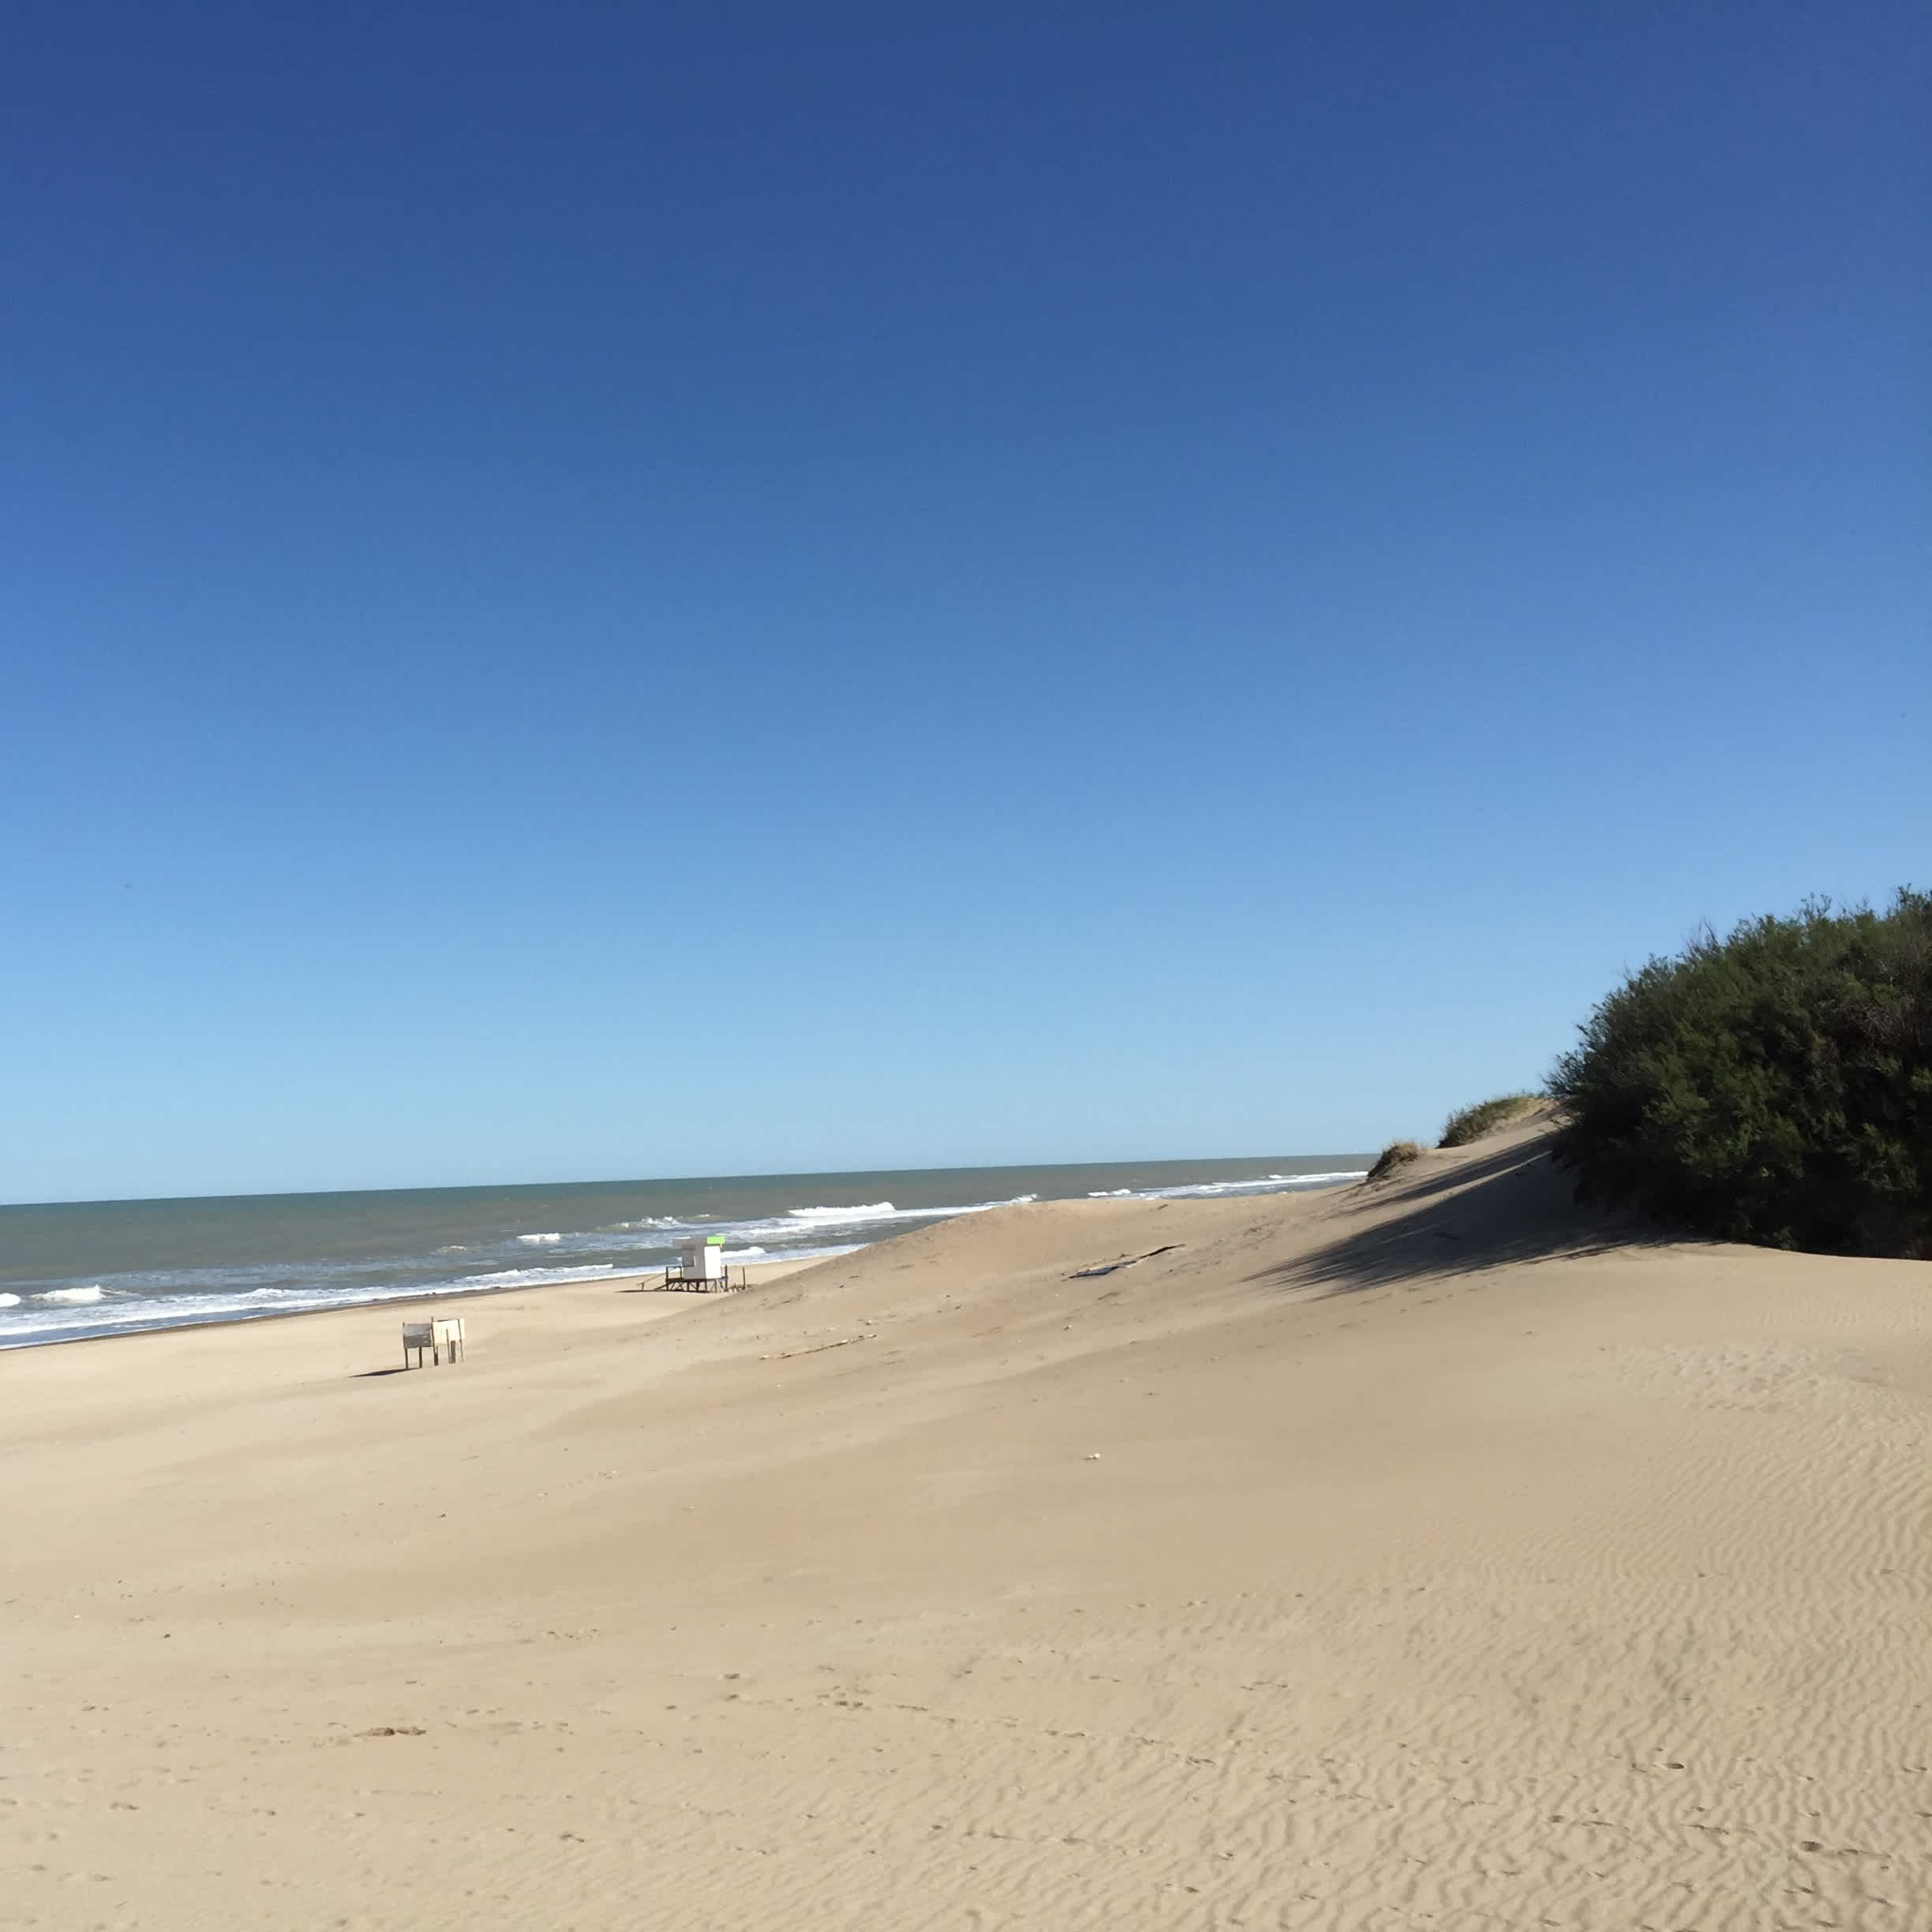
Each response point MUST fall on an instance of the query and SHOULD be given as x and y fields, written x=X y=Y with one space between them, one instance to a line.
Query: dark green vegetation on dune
x=1774 y=1086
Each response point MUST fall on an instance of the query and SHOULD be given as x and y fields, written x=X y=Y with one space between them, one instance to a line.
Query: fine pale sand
x=1416 y=1555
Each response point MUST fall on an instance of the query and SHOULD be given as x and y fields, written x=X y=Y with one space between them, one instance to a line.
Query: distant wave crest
x=1210 y=1190
x=885 y=1211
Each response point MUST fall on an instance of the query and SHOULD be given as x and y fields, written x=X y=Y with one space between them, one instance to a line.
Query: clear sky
x=593 y=590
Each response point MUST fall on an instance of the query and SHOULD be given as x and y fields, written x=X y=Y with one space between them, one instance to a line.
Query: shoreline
x=77 y=1272
x=627 y=1281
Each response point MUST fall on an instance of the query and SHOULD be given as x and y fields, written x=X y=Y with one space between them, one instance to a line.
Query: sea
x=74 y=1271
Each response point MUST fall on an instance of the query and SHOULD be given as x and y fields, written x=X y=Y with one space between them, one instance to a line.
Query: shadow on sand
x=1515 y=1204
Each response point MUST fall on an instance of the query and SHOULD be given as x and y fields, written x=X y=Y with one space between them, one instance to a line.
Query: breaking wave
x=1210 y=1190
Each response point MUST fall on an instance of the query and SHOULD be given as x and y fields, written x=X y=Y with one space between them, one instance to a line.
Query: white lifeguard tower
x=701 y=1265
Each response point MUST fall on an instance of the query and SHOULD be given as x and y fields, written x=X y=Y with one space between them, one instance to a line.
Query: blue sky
x=600 y=590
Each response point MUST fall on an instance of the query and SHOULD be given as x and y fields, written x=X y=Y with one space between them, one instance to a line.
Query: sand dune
x=1417 y=1554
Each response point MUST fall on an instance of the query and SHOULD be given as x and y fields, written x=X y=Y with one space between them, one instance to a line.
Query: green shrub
x=1773 y=1086
x=1474 y=1122
x=1397 y=1154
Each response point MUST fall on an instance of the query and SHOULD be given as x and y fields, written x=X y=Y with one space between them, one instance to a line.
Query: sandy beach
x=1423 y=1553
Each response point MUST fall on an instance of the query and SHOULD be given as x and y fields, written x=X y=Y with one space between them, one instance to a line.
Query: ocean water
x=70 y=1271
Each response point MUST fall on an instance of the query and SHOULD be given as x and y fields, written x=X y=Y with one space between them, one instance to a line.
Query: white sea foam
x=870 y=1211
x=524 y=1278
x=9 y=1300
x=68 y=1318
x=653 y=1233
x=1210 y=1190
